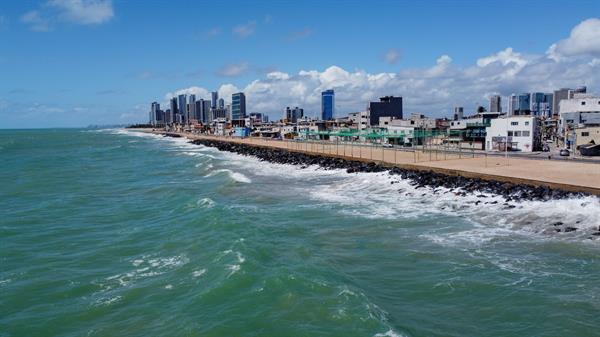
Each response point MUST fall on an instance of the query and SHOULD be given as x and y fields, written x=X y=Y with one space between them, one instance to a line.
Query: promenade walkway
x=565 y=175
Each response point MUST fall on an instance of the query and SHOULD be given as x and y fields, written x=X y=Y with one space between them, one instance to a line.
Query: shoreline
x=555 y=178
x=456 y=184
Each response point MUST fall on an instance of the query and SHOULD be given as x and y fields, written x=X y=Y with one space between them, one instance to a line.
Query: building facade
x=495 y=103
x=327 y=104
x=513 y=133
x=214 y=98
x=182 y=105
x=238 y=106
x=388 y=106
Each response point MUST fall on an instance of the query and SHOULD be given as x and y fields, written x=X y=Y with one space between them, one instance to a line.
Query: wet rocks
x=418 y=178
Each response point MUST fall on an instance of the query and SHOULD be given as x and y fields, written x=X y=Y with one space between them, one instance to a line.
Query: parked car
x=387 y=145
x=564 y=153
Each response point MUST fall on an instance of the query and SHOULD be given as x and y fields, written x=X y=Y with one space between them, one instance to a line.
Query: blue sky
x=78 y=62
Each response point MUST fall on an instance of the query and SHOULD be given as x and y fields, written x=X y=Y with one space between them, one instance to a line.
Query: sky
x=70 y=63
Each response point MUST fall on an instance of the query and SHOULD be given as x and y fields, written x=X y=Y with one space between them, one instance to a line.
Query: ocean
x=123 y=233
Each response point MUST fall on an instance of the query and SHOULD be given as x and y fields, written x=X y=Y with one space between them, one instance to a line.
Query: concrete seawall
x=560 y=175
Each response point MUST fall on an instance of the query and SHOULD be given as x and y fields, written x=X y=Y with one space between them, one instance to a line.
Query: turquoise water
x=117 y=233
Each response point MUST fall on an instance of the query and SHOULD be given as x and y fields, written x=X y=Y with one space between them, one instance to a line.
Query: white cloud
x=232 y=70
x=432 y=90
x=391 y=56
x=85 y=12
x=244 y=30
x=584 y=40
x=35 y=21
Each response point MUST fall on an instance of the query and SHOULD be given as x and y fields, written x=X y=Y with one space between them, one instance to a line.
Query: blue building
x=238 y=106
x=327 y=104
x=519 y=104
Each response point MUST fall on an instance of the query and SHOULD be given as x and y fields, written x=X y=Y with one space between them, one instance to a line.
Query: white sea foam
x=389 y=333
x=205 y=203
x=237 y=176
x=145 y=267
x=198 y=273
x=169 y=286
x=105 y=301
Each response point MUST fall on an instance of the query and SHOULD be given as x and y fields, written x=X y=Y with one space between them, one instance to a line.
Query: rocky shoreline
x=419 y=178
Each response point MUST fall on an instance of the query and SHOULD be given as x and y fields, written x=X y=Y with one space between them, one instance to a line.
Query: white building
x=583 y=110
x=360 y=119
x=521 y=133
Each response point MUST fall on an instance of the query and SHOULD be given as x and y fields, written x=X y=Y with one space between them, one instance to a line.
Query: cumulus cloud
x=232 y=70
x=85 y=12
x=584 y=40
x=433 y=90
x=391 y=56
x=244 y=30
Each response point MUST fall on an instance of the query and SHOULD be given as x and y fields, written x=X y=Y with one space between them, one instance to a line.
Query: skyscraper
x=206 y=112
x=238 y=106
x=388 y=106
x=221 y=103
x=192 y=107
x=215 y=98
x=154 y=113
x=293 y=115
x=495 y=103
x=174 y=110
x=519 y=104
x=182 y=105
x=536 y=103
x=327 y=104
x=198 y=110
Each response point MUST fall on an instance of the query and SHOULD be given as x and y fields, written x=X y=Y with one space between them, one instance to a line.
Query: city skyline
x=109 y=78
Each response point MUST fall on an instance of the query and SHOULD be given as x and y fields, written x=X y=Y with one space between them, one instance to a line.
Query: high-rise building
x=541 y=104
x=327 y=104
x=206 y=111
x=495 y=103
x=173 y=111
x=154 y=113
x=182 y=105
x=388 y=106
x=198 y=110
x=192 y=107
x=221 y=103
x=293 y=115
x=214 y=99
x=564 y=93
x=238 y=106
x=458 y=113
x=519 y=104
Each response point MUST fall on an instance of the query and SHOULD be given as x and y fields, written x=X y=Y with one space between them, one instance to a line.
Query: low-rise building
x=513 y=133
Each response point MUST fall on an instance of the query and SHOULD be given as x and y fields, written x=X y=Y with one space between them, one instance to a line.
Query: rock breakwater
x=420 y=178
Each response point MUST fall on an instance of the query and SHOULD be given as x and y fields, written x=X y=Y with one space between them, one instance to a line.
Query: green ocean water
x=118 y=233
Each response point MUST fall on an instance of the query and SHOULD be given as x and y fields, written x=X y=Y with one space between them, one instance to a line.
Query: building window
x=526 y=123
x=525 y=133
x=517 y=133
x=582 y=103
x=514 y=123
x=510 y=133
x=585 y=134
